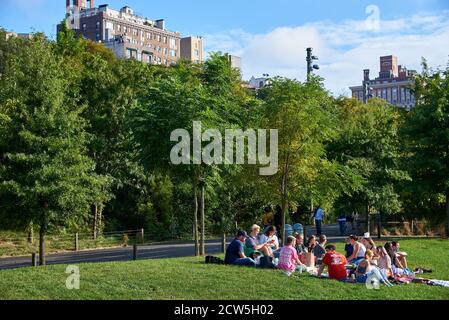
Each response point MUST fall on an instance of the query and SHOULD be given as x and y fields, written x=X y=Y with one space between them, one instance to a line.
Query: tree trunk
x=42 y=244
x=100 y=221
x=94 y=226
x=284 y=205
x=31 y=234
x=379 y=225
x=42 y=229
x=195 y=221
x=223 y=243
x=447 y=213
x=203 y=230
x=368 y=222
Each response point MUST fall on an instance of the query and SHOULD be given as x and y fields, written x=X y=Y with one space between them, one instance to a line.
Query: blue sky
x=210 y=16
x=271 y=36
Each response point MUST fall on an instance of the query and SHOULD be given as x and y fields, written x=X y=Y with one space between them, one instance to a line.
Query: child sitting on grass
x=288 y=258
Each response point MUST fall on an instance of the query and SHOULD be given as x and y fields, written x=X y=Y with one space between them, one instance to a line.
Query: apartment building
x=393 y=84
x=127 y=34
x=192 y=49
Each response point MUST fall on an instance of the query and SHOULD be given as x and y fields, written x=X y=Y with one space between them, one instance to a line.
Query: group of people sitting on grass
x=363 y=260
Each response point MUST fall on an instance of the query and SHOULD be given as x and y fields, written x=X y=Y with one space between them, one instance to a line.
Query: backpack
x=214 y=260
x=266 y=263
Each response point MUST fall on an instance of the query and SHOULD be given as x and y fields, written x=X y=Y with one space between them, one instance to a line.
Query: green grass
x=190 y=278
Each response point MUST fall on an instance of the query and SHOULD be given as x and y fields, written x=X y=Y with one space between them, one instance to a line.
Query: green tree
x=368 y=143
x=299 y=112
x=427 y=136
x=46 y=176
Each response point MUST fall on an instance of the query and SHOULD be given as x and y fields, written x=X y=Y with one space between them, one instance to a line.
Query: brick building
x=393 y=84
x=192 y=49
x=127 y=34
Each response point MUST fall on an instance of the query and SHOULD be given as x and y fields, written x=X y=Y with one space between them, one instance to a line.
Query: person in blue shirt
x=342 y=224
x=235 y=252
x=318 y=216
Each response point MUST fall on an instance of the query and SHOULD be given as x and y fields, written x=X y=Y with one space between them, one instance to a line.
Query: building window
x=149 y=36
x=165 y=51
x=119 y=27
x=165 y=39
x=98 y=25
x=84 y=27
x=395 y=95
x=173 y=43
x=135 y=32
x=159 y=37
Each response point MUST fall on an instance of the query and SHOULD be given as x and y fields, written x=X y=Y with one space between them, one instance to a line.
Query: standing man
x=318 y=216
x=235 y=253
x=342 y=224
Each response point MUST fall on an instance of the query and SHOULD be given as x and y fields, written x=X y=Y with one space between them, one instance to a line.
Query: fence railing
x=399 y=228
x=13 y=246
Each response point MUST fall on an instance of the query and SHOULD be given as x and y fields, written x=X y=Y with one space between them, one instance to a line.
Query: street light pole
x=310 y=66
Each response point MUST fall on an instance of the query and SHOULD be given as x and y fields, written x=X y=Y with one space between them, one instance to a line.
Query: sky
x=272 y=36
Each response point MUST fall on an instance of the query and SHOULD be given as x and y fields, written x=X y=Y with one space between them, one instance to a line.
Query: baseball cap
x=242 y=233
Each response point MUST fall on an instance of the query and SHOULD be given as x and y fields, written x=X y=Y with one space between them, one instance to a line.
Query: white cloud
x=344 y=49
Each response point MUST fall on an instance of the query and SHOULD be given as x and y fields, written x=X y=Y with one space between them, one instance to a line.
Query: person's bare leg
x=403 y=261
x=265 y=251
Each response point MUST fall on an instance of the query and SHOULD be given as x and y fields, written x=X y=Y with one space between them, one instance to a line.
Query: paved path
x=156 y=251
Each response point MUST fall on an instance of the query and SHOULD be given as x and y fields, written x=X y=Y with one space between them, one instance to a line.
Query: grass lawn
x=190 y=278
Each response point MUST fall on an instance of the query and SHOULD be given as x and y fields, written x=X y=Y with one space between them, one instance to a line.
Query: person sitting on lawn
x=311 y=243
x=252 y=244
x=384 y=262
x=336 y=264
x=358 y=253
x=319 y=250
x=400 y=255
x=288 y=257
x=365 y=270
x=300 y=247
x=369 y=244
x=349 y=248
x=397 y=267
x=270 y=238
x=235 y=252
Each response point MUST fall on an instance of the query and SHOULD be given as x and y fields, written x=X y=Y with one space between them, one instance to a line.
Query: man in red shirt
x=335 y=262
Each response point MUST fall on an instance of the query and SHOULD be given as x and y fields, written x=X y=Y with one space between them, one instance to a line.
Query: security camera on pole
x=310 y=66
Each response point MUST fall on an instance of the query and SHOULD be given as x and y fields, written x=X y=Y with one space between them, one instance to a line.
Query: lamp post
x=310 y=66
